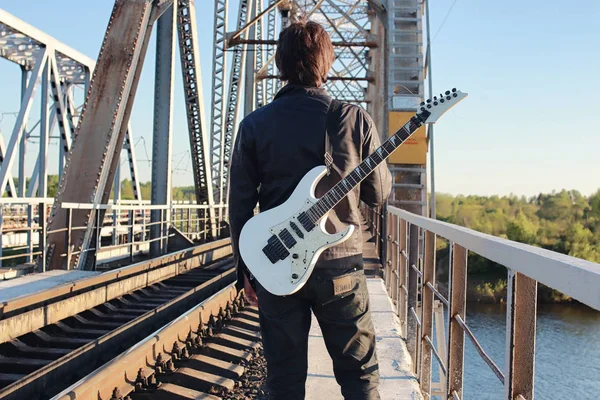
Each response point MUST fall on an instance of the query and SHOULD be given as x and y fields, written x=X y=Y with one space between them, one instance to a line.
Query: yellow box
x=414 y=149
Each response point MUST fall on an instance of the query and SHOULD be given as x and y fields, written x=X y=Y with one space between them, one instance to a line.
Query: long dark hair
x=304 y=54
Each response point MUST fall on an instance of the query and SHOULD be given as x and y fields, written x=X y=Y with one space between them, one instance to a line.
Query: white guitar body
x=288 y=275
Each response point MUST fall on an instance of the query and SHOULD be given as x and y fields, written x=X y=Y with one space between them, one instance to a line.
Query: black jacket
x=279 y=143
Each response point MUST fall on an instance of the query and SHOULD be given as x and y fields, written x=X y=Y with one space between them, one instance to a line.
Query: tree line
x=566 y=222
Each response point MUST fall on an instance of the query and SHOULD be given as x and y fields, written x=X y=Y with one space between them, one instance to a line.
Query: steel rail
x=145 y=360
x=45 y=380
x=27 y=313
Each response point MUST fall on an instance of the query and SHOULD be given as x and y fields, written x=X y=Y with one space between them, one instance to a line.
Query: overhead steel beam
x=102 y=129
x=273 y=42
x=256 y=17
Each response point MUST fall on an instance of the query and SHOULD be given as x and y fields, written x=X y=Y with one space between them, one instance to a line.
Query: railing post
x=68 y=238
x=393 y=256
x=402 y=277
x=1 y=233
x=42 y=235
x=388 y=262
x=458 y=306
x=412 y=331
x=131 y=235
x=427 y=312
x=520 y=336
x=29 y=232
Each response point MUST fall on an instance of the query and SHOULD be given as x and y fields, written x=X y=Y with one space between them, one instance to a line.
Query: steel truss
x=58 y=70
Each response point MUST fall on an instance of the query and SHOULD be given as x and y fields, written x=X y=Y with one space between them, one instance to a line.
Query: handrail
x=577 y=278
x=408 y=250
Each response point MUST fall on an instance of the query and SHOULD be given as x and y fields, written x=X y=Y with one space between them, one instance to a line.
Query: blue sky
x=529 y=125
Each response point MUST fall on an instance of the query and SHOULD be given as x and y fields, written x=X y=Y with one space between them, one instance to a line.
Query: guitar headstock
x=438 y=106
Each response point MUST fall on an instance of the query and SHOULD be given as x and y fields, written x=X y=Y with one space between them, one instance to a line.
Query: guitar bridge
x=275 y=250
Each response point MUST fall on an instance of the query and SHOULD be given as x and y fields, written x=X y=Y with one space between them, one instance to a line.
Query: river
x=567 y=352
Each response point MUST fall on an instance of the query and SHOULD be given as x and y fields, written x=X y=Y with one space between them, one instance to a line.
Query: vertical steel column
x=163 y=124
x=44 y=131
x=458 y=307
x=427 y=313
x=520 y=336
x=238 y=68
x=192 y=82
x=218 y=96
x=412 y=329
x=23 y=144
x=432 y=212
x=258 y=50
x=249 y=86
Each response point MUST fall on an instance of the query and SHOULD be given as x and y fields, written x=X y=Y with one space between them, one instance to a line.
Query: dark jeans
x=347 y=329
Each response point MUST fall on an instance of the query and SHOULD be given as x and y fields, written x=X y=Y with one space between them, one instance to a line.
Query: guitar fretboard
x=358 y=174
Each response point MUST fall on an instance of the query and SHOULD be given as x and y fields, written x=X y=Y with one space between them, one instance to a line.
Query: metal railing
x=410 y=279
x=125 y=231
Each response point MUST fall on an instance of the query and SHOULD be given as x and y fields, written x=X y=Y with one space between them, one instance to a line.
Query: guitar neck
x=358 y=174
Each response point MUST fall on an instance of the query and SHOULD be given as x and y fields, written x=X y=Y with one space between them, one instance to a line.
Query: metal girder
x=22 y=44
x=91 y=165
x=163 y=126
x=218 y=95
x=270 y=86
x=258 y=51
x=238 y=68
x=192 y=85
x=24 y=111
x=10 y=188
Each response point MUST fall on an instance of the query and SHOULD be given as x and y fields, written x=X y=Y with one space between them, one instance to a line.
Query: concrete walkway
x=397 y=382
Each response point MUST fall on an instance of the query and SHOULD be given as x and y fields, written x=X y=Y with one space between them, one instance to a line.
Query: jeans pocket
x=347 y=305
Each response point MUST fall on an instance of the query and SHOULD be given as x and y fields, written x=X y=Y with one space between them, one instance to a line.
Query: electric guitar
x=281 y=246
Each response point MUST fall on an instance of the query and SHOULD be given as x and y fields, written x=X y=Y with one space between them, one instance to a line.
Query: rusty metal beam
x=91 y=164
x=271 y=42
x=458 y=307
x=427 y=313
x=520 y=336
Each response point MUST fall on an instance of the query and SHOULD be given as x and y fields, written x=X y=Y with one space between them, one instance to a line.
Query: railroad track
x=200 y=355
x=64 y=333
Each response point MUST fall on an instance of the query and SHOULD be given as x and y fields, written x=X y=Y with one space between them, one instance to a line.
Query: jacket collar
x=294 y=89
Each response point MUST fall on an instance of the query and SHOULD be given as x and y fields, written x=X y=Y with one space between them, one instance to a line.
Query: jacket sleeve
x=376 y=187
x=243 y=192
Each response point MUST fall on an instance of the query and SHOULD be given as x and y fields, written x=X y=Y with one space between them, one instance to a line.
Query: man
x=275 y=146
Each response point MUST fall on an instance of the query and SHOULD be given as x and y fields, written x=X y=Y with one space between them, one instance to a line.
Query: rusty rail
x=214 y=366
x=27 y=313
x=409 y=246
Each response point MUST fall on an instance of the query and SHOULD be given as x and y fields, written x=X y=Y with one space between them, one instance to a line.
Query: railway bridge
x=110 y=298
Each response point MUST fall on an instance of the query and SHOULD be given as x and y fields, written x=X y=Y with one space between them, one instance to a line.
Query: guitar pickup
x=297 y=230
x=287 y=238
x=305 y=221
x=275 y=250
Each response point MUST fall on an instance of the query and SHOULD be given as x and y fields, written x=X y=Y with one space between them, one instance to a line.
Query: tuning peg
x=447 y=92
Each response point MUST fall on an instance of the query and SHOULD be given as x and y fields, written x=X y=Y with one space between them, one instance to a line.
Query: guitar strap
x=334 y=106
